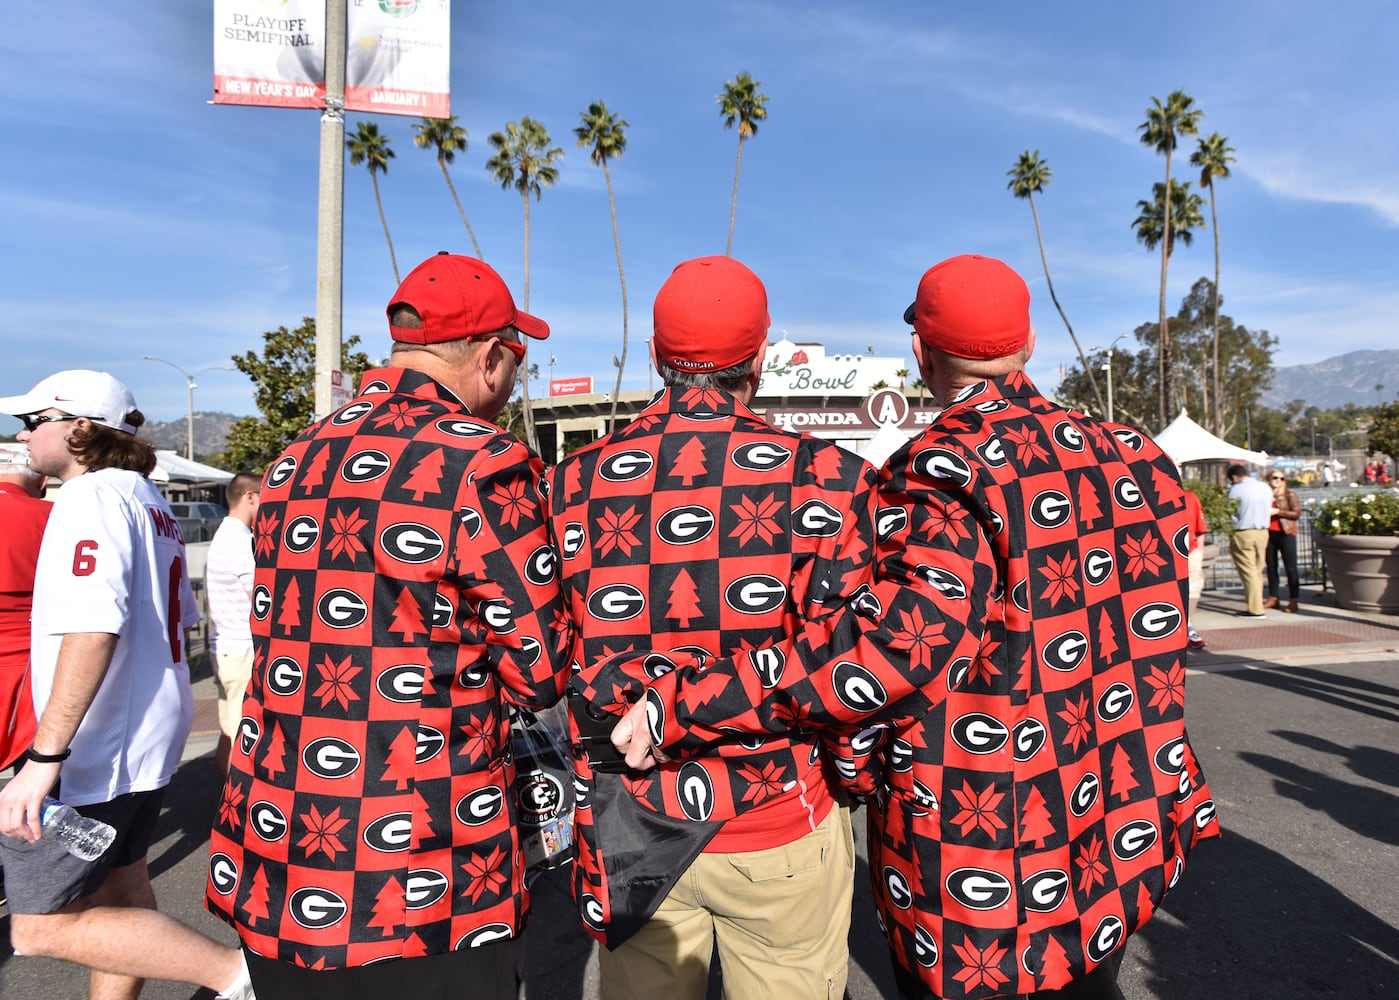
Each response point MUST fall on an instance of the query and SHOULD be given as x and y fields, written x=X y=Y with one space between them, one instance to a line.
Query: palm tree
x=740 y=102
x=604 y=132
x=1029 y=177
x=901 y=375
x=1164 y=124
x=449 y=138
x=525 y=161
x=1213 y=157
x=1155 y=227
x=368 y=146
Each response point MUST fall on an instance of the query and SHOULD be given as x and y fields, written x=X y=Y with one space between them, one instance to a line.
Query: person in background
x=228 y=577
x=1282 y=540
x=23 y=513
x=1248 y=545
x=1195 y=517
x=406 y=595
x=111 y=692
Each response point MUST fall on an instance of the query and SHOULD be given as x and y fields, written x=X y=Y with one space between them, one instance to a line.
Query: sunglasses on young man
x=32 y=421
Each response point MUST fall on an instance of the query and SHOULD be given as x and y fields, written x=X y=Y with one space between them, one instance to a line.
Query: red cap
x=458 y=297
x=711 y=314
x=972 y=307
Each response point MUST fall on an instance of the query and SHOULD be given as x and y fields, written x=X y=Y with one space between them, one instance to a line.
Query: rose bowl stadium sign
x=884 y=407
x=796 y=370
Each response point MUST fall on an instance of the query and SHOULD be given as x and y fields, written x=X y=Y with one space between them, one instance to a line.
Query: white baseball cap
x=82 y=393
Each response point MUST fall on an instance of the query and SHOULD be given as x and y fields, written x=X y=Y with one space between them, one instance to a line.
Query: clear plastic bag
x=543 y=789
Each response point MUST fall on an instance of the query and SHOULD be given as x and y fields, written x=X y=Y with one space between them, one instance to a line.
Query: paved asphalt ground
x=1294 y=718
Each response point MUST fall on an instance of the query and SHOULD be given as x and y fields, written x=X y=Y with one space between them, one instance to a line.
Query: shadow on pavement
x=1247 y=922
x=1366 y=697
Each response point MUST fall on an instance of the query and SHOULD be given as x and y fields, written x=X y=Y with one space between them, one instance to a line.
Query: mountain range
x=1347 y=378
x=210 y=431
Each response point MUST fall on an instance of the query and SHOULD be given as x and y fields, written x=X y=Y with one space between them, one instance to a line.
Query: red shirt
x=1025 y=645
x=24 y=518
x=405 y=589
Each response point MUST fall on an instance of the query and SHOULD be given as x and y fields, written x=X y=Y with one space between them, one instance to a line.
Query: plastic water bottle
x=84 y=838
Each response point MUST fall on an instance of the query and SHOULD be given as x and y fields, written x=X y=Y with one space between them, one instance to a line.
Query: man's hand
x=632 y=738
x=22 y=801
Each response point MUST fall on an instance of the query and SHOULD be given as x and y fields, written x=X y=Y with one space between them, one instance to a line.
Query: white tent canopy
x=1186 y=441
x=171 y=467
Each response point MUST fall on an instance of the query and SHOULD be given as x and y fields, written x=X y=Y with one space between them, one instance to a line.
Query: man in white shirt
x=1249 y=543
x=111 y=692
x=228 y=577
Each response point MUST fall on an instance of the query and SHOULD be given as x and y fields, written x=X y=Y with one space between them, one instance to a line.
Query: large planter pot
x=1364 y=570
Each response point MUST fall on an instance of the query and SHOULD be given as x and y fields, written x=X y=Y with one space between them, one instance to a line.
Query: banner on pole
x=271 y=53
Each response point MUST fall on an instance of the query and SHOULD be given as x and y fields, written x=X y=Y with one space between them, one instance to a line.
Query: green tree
x=742 y=104
x=449 y=139
x=1247 y=367
x=283 y=378
x=1165 y=123
x=1160 y=222
x=1384 y=431
x=1213 y=156
x=1029 y=177
x=1132 y=377
x=606 y=134
x=368 y=146
x=525 y=160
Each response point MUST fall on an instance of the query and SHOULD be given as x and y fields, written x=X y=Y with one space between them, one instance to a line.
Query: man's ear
x=756 y=372
x=1030 y=344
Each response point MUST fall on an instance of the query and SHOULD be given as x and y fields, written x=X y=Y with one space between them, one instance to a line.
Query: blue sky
x=141 y=220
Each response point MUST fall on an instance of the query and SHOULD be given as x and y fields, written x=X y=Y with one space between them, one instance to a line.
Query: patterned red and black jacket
x=406 y=587
x=701 y=527
x=1025 y=645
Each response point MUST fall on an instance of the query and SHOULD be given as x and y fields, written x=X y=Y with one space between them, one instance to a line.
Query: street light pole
x=1107 y=367
x=190 y=387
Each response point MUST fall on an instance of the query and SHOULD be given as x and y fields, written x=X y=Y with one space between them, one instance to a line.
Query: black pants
x=1100 y=984
x=1280 y=543
x=491 y=972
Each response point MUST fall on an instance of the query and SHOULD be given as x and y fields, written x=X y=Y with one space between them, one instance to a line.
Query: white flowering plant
x=1360 y=512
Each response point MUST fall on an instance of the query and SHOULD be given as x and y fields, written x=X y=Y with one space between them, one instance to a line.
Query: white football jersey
x=113 y=560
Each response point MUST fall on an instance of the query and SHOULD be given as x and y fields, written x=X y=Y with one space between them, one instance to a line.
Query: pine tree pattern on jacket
x=700 y=527
x=406 y=587
x=1025 y=646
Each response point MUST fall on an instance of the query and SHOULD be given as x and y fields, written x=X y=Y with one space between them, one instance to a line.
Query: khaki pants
x=1196 y=562
x=1249 y=547
x=780 y=917
x=233 y=671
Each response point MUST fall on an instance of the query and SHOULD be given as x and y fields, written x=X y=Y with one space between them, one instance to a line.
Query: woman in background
x=1282 y=540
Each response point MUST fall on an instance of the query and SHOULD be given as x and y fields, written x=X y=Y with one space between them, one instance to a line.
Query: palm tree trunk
x=621 y=277
x=1165 y=352
x=733 y=205
x=1218 y=419
x=1055 y=299
x=393 y=259
x=442 y=162
x=528 y=414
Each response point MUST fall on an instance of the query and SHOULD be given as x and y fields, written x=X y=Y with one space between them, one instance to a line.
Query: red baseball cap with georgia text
x=711 y=314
